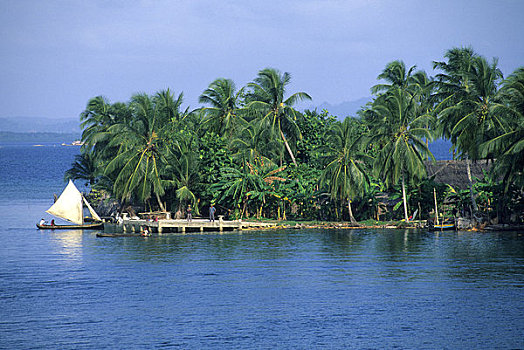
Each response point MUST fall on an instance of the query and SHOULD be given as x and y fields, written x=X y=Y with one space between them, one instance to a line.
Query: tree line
x=252 y=154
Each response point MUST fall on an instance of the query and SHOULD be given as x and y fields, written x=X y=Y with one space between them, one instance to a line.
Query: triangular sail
x=69 y=205
x=91 y=210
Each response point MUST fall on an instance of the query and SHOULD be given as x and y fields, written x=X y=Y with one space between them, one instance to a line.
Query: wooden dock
x=182 y=225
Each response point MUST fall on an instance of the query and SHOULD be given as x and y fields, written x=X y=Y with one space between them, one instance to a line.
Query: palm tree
x=345 y=173
x=84 y=167
x=224 y=111
x=398 y=125
x=140 y=160
x=423 y=88
x=254 y=142
x=267 y=101
x=168 y=106
x=254 y=181
x=183 y=164
x=468 y=117
x=234 y=185
x=477 y=111
x=95 y=118
x=396 y=75
x=508 y=147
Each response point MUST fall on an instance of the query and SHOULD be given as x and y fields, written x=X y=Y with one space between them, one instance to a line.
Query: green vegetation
x=252 y=154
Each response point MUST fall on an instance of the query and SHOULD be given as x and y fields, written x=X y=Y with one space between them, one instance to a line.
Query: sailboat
x=70 y=206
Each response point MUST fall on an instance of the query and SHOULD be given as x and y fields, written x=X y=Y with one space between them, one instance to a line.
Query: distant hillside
x=6 y=136
x=40 y=125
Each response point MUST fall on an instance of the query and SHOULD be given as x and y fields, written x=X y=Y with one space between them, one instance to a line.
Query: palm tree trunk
x=244 y=209
x=404 y=198
x=162 y=208
x=471 y=194
x=351 y=217
x=436 y=207
x=288 y=148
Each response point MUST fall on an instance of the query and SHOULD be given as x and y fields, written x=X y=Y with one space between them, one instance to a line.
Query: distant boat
x=74 y=143
x=70 y=206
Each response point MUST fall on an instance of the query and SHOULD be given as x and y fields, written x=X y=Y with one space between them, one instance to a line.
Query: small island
x=253 y=156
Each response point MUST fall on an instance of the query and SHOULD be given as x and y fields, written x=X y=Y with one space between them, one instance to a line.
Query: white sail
x=91 y=210
x=69 y=205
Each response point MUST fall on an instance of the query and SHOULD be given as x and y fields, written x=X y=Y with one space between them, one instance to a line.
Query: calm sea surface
x=364 y=289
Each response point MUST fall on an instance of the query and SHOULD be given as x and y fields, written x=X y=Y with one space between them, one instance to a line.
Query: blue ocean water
x=283 y=289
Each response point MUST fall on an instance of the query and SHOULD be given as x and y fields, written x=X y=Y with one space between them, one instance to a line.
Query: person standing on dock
x=189 y=214
x=212 y=210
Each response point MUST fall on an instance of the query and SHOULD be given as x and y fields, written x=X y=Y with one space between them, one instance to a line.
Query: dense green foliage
x=250 y=153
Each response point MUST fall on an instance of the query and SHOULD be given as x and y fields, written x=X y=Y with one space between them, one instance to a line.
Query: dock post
x=220 y=220
x=159 y=229
x=201 y=229
x=183 y=229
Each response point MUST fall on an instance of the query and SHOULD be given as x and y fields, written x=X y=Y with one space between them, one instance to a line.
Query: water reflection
x=69 y=242
x=491 y=258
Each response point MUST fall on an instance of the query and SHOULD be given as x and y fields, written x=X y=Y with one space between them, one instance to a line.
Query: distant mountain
x=343 y=109
x=40 y=125
x=7 y=136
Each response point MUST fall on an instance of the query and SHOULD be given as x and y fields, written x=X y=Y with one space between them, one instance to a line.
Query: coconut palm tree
x=478 y=115
x=224 y=111
x=95 y=119
x=183 y=166
x=345 y=172
x=98 y=116
x=267 y=101
x=254 y=141
x=140 y=160
x=396 y=75
x=398 y=125
x=168 y=106
x=84 y=168
x=468 y=91
x=508 y=147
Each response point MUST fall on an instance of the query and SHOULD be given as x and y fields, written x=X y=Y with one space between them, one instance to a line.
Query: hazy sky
x=55 y=55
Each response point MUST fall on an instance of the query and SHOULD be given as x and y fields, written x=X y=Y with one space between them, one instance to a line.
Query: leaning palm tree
x=345 y=172
x=267 y=101
x=223 y=113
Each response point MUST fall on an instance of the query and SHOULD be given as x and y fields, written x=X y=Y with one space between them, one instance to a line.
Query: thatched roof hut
x=454 y=173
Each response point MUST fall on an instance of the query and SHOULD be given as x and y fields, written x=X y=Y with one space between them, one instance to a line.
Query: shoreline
x=419 y=225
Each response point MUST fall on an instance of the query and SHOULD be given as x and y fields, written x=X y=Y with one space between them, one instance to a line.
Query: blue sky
x=55 y=55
